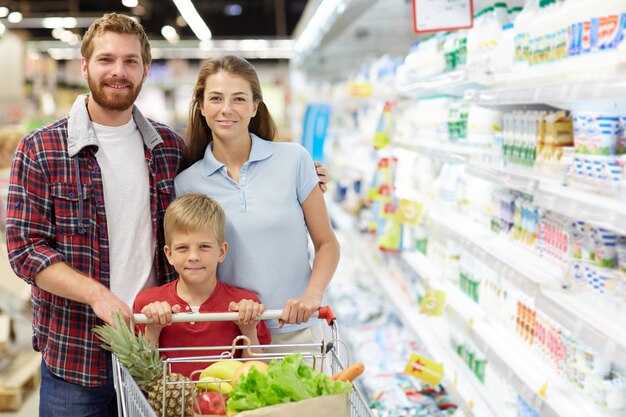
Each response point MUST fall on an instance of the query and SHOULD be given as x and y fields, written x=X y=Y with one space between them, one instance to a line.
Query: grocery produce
x=245 y=368
x=211 y=383
x=145 y=365
x=223 y=370
x=210 y=403
x=286 y=380
x=350 y=373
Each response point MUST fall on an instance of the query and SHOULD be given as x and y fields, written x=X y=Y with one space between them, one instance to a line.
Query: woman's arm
x=326 y=246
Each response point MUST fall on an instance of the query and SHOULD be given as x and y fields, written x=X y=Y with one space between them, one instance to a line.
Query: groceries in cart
x=265 y=384
x=169 y=394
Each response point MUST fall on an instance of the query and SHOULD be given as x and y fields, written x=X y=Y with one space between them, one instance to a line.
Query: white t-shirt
x=125 y=179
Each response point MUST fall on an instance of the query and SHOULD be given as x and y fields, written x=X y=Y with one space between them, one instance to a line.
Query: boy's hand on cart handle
x=249 y=311
x=350 y=373
x=323 y=313
x=159 y=313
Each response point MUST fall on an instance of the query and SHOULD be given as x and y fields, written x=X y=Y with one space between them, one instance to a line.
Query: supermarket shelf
x=467 y=386
x=510 y=260
x=526 y=372
x=605 y=89
x=453 y=83
x=445 y=150
x=538 y=278
x=460 y=383
x=597 y=325
x=602 y=210
x=516 y=178
x=548 y=192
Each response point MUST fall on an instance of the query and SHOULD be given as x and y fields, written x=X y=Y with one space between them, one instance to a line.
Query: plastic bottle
x=500 y=12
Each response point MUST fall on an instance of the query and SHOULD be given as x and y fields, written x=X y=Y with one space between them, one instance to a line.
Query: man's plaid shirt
x=53 y=215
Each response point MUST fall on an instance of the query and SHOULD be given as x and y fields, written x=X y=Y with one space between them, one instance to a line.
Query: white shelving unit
x=526 y=373
x=540 y=278
x=560 y=94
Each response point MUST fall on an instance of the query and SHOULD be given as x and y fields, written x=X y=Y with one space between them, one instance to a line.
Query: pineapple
x=145 y=365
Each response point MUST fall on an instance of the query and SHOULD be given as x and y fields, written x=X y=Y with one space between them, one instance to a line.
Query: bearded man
x=86 y=202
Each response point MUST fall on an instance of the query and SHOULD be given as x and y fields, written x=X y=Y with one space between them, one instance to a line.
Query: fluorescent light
x=319 y=23
x=193 y=19
x=170 y=34
x=56 y=32
x=14 y=17
x=59 y=22
x=233 y=10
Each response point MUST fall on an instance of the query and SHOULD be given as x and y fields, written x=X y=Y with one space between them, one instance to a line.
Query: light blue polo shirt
x=267 y=237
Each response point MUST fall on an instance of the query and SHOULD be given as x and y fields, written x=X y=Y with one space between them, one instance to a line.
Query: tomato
x=210 y=402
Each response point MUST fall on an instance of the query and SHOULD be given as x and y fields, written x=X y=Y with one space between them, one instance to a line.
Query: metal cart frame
x=131 y=401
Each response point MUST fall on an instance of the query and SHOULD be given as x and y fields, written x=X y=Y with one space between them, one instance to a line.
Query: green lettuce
x=286 y=380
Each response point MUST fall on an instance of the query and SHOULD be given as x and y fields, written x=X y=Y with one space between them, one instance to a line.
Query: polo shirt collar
x=261 y=149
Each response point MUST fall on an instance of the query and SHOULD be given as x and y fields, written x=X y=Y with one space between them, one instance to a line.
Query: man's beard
x=121 y=101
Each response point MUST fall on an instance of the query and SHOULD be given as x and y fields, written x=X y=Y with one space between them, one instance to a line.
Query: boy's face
x=195 y=255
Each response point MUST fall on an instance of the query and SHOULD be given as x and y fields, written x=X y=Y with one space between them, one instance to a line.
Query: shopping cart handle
x=323 y=313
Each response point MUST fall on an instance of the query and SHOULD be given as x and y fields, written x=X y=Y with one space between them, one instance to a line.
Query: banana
x=211 y=383
x=223 y=370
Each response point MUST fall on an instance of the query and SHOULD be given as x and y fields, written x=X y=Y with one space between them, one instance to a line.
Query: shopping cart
x=131 y=401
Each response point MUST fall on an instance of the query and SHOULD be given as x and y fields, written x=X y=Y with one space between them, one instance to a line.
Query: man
x=85 y=208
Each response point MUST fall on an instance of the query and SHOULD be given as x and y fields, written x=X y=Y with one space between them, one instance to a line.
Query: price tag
x=543 y=391
x=442 y=15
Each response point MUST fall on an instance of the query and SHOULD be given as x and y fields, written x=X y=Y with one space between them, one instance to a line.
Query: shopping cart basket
x=131 y=401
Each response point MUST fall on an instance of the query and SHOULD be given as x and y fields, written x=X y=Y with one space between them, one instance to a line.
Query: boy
x=194 y=245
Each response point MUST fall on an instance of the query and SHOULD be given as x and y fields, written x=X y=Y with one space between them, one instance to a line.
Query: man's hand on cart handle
x=323 y=313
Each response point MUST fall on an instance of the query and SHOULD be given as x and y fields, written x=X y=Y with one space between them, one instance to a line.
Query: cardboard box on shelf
x=19 y=380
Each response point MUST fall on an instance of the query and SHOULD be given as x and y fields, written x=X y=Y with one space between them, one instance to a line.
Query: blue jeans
x=59 y=398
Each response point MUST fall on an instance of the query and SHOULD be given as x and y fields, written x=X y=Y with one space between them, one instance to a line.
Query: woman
x=269 y=193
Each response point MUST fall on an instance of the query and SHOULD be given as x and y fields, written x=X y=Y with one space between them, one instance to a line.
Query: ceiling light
x=194 y=20
x=170 y=34
x=14 y=17
x=59 y=22
x=66 y=36
x=4 y=11
x=318 y=25
x=233 y=10
x=56 y=32
x=206 y=45
x=130 y=3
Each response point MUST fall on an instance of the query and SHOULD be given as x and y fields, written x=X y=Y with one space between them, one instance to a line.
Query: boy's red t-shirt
x=199 y=334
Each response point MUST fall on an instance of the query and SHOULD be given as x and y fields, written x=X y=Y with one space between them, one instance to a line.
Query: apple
x=210 y=402
x=245 y=368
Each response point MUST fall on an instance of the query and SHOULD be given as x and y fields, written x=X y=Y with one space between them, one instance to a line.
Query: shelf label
x=433 y=303
x=442 y=15
x=542 y=391
x=425 y=369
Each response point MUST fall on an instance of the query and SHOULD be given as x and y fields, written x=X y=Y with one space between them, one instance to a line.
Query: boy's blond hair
x=193 y=212
x=117 y=23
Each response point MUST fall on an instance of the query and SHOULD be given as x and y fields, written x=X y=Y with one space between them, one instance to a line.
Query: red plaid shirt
x=53 y=215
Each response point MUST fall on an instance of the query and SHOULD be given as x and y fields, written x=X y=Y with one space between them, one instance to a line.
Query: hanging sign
x=442 y=15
